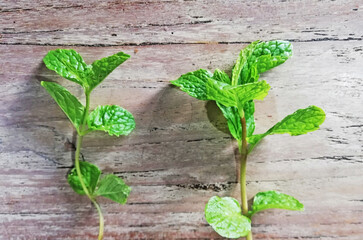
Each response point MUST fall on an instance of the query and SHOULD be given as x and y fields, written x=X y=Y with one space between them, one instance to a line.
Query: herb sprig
x=85 y=178
x=235 y=97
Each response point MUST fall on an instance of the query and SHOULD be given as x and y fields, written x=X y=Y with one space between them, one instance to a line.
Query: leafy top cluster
x=235 y=95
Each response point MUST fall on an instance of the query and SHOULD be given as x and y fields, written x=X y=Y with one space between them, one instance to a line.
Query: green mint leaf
x=250 y=91
x=237 y=95
x=194 y=83
x=103 y=67
x=114 y=188
x=221 y=76
x=220 y=92
x=249 y=110
x=267 y=55
x=233 y=120
x=224 y=215
x=241 y=63
x=90 y=175
x=113 y=119
x=273 y=199
x=300 y=122
x=66 y=101
x=69 y=64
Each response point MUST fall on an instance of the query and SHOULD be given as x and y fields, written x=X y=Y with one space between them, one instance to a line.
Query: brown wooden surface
x=180 y=153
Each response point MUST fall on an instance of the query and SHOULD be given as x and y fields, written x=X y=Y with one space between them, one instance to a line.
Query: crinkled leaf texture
x=274 y=199
x=113 y=119
x=201 y=85
x=233 y=120
x=114 y=188
x=221 y=76
x=90 y=175
x=103 y=67
x=66 y=101
x=70 y=65
x=300 y=122
x=67 y=63
x=224 y=215
x=194 y=83
x=256 y=58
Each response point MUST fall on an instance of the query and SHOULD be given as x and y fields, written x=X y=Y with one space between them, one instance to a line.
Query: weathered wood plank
x=176 y=158
x=163 y=22
x=180 y=154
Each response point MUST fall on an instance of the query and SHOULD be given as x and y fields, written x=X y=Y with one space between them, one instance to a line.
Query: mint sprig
x=235 y=97
x=85 y=178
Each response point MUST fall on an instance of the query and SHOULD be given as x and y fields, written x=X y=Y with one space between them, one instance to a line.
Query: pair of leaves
x=201 y=85
x=69 y=64
x=110 y=186
x=224 y=214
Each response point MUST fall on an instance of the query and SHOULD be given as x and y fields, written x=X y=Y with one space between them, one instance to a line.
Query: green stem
x=81 y=133
x=243 y=165
x=100 y=232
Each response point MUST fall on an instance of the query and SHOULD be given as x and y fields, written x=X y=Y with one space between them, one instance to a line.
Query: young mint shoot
x=235 y=97
x=85 y=178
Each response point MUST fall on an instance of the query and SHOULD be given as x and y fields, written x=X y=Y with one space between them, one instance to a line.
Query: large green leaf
x=66 y=101
x=224 y=215
x=90 y=175
x=300 y=122
x=114 y=188
x=69 y=64
x=194 y=83
x=113 y=119
x=273 y=199
x=267 y=55
x=103 y=67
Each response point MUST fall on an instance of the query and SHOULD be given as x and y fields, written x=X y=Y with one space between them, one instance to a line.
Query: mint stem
x=243 y=165
x=81 y=133
x=100 y=233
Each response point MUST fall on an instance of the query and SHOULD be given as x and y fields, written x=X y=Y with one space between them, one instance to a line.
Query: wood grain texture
x=180 y=153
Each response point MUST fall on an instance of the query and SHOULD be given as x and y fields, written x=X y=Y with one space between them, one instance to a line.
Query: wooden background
x=180 y=153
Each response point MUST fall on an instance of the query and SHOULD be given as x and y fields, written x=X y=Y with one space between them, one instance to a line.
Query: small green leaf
x=224 y=215
x=221 y=76
x=113 y=119
x=233 y=120
x=194 y=83
x=114 y=188
x=103 y=67
x=67 y=63
x=273 y=199
x=249 y=110
x=241 y=63
x=300 y=122
x=66 y=101
x=90 y=175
